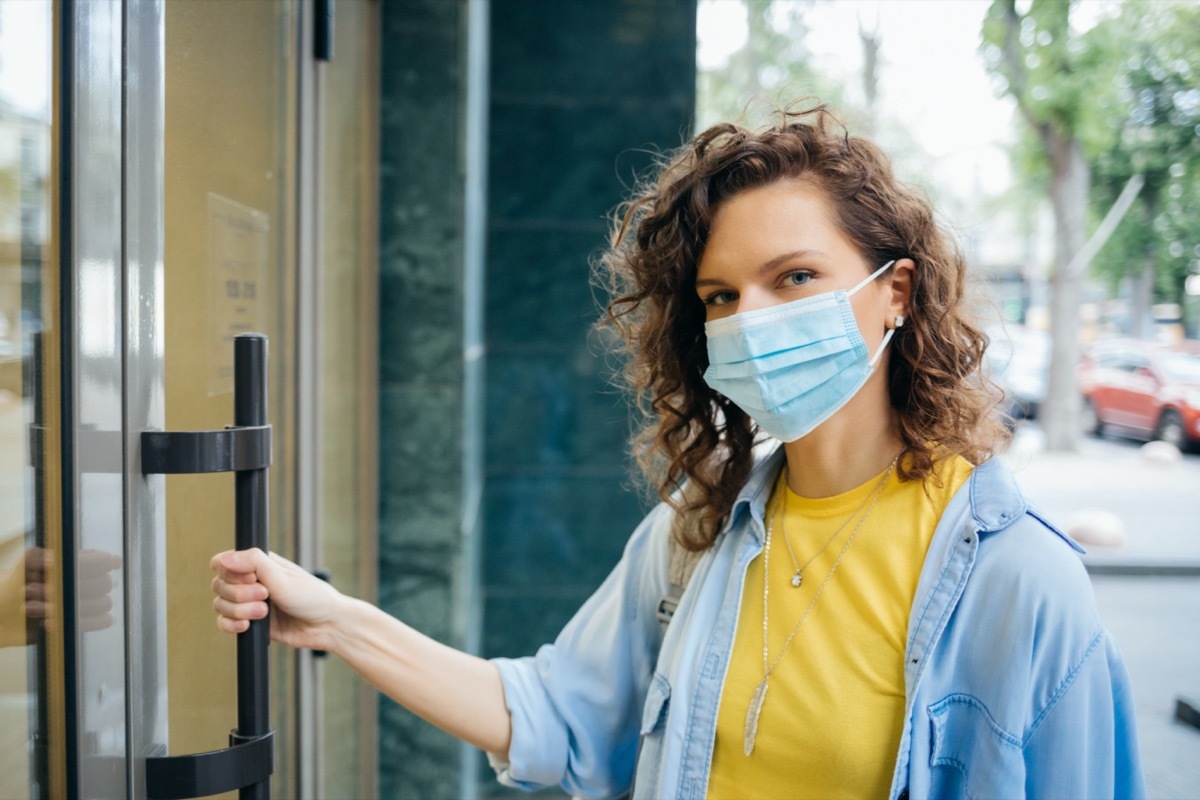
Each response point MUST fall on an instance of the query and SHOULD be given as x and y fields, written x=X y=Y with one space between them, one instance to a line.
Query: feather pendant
x=752 y=714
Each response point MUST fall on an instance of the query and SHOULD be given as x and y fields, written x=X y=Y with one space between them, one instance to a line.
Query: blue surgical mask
x=792 y=366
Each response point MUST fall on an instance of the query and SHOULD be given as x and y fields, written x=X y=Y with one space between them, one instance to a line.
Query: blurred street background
x=406 y=197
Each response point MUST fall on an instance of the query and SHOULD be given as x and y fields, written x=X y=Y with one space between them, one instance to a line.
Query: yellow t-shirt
x=831 y=721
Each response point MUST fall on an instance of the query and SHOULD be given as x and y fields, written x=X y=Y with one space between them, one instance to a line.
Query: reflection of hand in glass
x=24 y=596
x=28 y=594
x=94 y=593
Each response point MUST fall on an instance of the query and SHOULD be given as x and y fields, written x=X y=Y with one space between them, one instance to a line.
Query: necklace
x=760 y=692
x=798 y=575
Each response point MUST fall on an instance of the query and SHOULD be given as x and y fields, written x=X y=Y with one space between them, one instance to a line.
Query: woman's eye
x=797 y=278
x=719 y=298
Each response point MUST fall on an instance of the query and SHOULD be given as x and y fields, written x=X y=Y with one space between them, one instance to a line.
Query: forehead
x=758 y=224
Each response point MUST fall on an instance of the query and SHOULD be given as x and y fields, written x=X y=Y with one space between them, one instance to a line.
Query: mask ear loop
x=870 y=278
x=887 y=337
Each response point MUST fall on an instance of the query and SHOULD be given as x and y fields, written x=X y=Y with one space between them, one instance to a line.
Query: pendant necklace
x=798 y=575
x=760 y=692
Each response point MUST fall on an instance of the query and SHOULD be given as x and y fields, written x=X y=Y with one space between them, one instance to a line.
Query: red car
x=1143 y=389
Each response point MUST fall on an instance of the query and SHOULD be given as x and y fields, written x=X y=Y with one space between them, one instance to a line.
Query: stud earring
x=899 y=321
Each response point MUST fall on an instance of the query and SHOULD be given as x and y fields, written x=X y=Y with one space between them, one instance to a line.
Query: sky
x=25 y=56
x=932 y=77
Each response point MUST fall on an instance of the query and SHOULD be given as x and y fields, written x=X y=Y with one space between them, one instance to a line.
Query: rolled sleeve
x=576 y=706
x=537 y=754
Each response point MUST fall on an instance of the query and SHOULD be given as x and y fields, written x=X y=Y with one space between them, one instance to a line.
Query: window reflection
x=28 y=568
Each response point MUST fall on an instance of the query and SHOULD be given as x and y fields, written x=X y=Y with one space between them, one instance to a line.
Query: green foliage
x=1129 y=89
x=1059 y=77
x=771 y=70
x=1158 y=137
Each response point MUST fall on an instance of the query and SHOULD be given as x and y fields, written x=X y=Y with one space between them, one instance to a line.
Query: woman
x=874 y=609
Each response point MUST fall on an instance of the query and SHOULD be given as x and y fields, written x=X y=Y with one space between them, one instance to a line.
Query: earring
x=899 y=320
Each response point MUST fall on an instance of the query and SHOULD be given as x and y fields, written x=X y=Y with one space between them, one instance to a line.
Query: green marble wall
x=579 y=90
x=421 y=363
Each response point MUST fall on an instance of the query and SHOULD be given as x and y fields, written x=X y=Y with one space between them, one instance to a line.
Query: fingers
x=96 y=563
x=95 y=587
x=238 y=566
x=239 y=595
x=238 y=603
x=238 y=592
x=38 y=609
x=39 y=559
x=239 y=611
x=244 y=581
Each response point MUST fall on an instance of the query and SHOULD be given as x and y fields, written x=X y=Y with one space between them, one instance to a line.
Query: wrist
x=337 y=630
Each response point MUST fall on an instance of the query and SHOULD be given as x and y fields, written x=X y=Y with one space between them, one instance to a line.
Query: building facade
x=404 y=197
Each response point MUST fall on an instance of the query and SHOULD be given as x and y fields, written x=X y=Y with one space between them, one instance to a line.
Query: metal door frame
x=112 y=111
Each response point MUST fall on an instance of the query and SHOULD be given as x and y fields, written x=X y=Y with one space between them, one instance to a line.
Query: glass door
x=150 y=176
x=229 y=266
x=179 y=192
x=32 y=680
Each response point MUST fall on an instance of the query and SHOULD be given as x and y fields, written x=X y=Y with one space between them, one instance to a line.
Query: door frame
x=111 y=146
x=111 y=113
x=111 y=215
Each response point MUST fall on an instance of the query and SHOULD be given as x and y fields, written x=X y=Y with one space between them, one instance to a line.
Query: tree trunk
x=1143 y=284
x=1069 y=195
x=871 y=42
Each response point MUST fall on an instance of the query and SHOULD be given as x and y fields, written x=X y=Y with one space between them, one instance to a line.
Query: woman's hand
x=460 y=693
x=304 y=608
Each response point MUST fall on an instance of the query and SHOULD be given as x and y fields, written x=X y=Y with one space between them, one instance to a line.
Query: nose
x=754 y=298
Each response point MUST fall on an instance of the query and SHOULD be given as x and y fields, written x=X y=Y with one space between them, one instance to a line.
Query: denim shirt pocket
x=970 y=755
x=654 y=723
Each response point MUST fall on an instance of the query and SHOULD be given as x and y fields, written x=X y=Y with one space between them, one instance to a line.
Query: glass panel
x=32 y=759
x=347 y=87
x=230 y=137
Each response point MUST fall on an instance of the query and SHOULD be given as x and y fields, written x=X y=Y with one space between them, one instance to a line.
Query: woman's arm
x=1085 y=744
x=459 y=693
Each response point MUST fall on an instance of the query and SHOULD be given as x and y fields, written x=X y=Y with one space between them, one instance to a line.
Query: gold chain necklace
x=760 y=692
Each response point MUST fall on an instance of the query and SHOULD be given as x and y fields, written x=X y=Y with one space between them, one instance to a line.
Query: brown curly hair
x=696 y=445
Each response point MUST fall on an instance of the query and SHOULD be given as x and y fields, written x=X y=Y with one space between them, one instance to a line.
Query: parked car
x=1018 y=359
x=1143 y=389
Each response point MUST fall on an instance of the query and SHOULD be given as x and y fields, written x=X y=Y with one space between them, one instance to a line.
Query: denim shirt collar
x=753 y=497
x=995 y=497
x=997 y=501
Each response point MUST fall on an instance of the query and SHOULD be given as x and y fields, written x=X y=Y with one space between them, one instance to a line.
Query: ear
x=900 y=290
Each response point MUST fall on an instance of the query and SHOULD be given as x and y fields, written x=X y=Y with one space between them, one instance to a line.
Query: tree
x=1159 y=138
x=1058 y=79
x=774 y=64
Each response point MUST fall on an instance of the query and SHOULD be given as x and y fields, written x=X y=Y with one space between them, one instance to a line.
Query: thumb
x=242 y=562
x=271 y=568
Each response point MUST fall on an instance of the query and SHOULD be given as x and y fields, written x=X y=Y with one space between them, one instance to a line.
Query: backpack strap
x=680 y=566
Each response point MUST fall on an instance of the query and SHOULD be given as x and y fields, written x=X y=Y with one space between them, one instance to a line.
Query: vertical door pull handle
x=244 y=449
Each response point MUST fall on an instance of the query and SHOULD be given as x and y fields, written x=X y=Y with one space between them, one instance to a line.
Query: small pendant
x=752 y=713
x=797 y=579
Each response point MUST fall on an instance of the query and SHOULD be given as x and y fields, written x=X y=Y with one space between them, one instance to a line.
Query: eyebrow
x=767 y=266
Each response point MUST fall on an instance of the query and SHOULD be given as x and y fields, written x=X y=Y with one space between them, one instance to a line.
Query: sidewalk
x=1155 y=620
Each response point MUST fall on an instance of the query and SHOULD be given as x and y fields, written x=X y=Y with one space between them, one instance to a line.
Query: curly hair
x=695 y=446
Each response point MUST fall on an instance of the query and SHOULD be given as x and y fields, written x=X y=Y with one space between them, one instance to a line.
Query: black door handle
x=244 y=449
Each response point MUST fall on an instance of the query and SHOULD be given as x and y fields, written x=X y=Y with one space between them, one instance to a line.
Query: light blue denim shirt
x=1014 y=688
